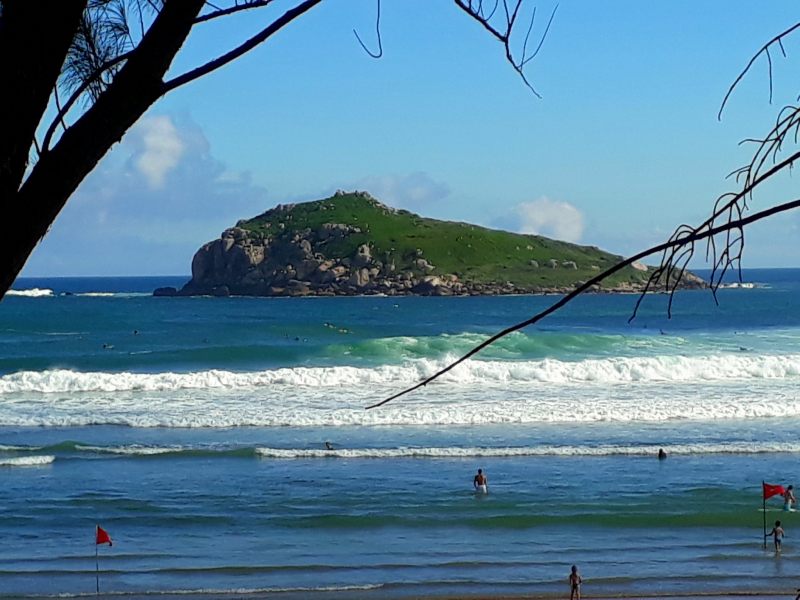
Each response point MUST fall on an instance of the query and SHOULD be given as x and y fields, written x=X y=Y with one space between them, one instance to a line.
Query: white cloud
x=155 y=199
x=158 y=148
x=550 y=218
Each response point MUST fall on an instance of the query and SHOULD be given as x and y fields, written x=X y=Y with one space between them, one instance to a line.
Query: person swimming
x=661 y=454
x=329 y=446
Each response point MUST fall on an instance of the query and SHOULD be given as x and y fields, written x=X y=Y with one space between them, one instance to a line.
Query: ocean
x=194 y=430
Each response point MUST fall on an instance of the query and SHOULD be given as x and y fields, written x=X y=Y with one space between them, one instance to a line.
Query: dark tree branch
x=29 y=77
x=378 y=34
x=59 y=172
x=778 y=39
x=62 y=111
x=224 y=12
x=92 y=79
x=504 y=30
x=260 y=37
x=689 y=238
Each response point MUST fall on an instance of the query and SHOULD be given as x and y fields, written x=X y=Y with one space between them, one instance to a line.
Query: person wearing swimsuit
x=575 y=584
x=480 y=483
x=777 y=533
x=788 y=498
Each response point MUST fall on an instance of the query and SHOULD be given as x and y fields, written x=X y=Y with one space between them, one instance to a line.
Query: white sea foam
x=478 y=392
x=659 y=369
x=490 y=452
x=96 y=294
x=134 y=449
x=112 y=294
x=699 y=448
x=31 y=293
x=26 y=461
x=509 y=403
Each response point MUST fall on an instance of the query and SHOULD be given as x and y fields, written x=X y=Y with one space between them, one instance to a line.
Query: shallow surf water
x=193 y=430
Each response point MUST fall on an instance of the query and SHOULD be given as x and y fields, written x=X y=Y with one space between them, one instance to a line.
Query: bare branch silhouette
x=224 y=12
x=378 y=34
x=503 y=28
x=212 y=65
x=76 y=94
x=778 y=39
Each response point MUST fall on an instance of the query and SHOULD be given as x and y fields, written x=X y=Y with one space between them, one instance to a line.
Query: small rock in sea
x=165 y=291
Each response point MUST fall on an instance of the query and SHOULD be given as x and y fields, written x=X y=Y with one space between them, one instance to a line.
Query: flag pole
x=764 y=512
x=97 y=564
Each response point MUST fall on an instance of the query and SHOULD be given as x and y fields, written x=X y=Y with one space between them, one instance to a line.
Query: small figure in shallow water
x=777 y=533
x=329 y=446
x=788 y=498
x=661 y=454
x=575 y=584
x=481 y=482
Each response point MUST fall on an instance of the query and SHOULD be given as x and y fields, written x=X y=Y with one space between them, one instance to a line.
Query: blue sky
x=623 y=146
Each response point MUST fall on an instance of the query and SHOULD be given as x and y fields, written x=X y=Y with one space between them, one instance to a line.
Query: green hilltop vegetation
x=472 y=253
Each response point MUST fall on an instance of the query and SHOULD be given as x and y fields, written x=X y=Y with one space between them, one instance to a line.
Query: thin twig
x=377 y=32
x=777 y=39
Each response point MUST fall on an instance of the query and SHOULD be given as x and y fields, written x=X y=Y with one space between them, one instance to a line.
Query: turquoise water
x=193 y=430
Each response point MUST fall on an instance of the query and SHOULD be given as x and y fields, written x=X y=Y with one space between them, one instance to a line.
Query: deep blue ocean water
x=193 y=430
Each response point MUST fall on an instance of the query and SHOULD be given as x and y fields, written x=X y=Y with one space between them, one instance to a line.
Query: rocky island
x=352 y=244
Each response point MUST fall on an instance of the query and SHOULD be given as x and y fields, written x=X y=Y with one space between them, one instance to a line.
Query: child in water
x=777 y=533
x=575 y=584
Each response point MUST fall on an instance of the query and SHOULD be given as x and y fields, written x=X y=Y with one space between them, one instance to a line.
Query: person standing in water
x=575 y=584
x=788 y=498
x=480 y=483
x=777 y=533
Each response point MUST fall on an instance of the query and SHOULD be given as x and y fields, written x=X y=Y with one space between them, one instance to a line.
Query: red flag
x=772 y=490
x=103 y=537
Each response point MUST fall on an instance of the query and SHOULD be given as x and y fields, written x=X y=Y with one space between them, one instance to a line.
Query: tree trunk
x=35 y=36
x=58 y=172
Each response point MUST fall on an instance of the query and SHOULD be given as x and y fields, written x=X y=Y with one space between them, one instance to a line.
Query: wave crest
x=31 y=293
x=471 y=373
x=26 y=461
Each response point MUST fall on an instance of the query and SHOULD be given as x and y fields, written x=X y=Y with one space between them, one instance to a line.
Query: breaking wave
x=26 y=457
x=26 y=461
x=31 y=293
x=660 y=369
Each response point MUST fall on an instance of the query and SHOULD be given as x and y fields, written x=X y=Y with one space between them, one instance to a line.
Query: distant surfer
x=661 y=454
x=481 y=483
x=788 y=498
x=329 y=446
